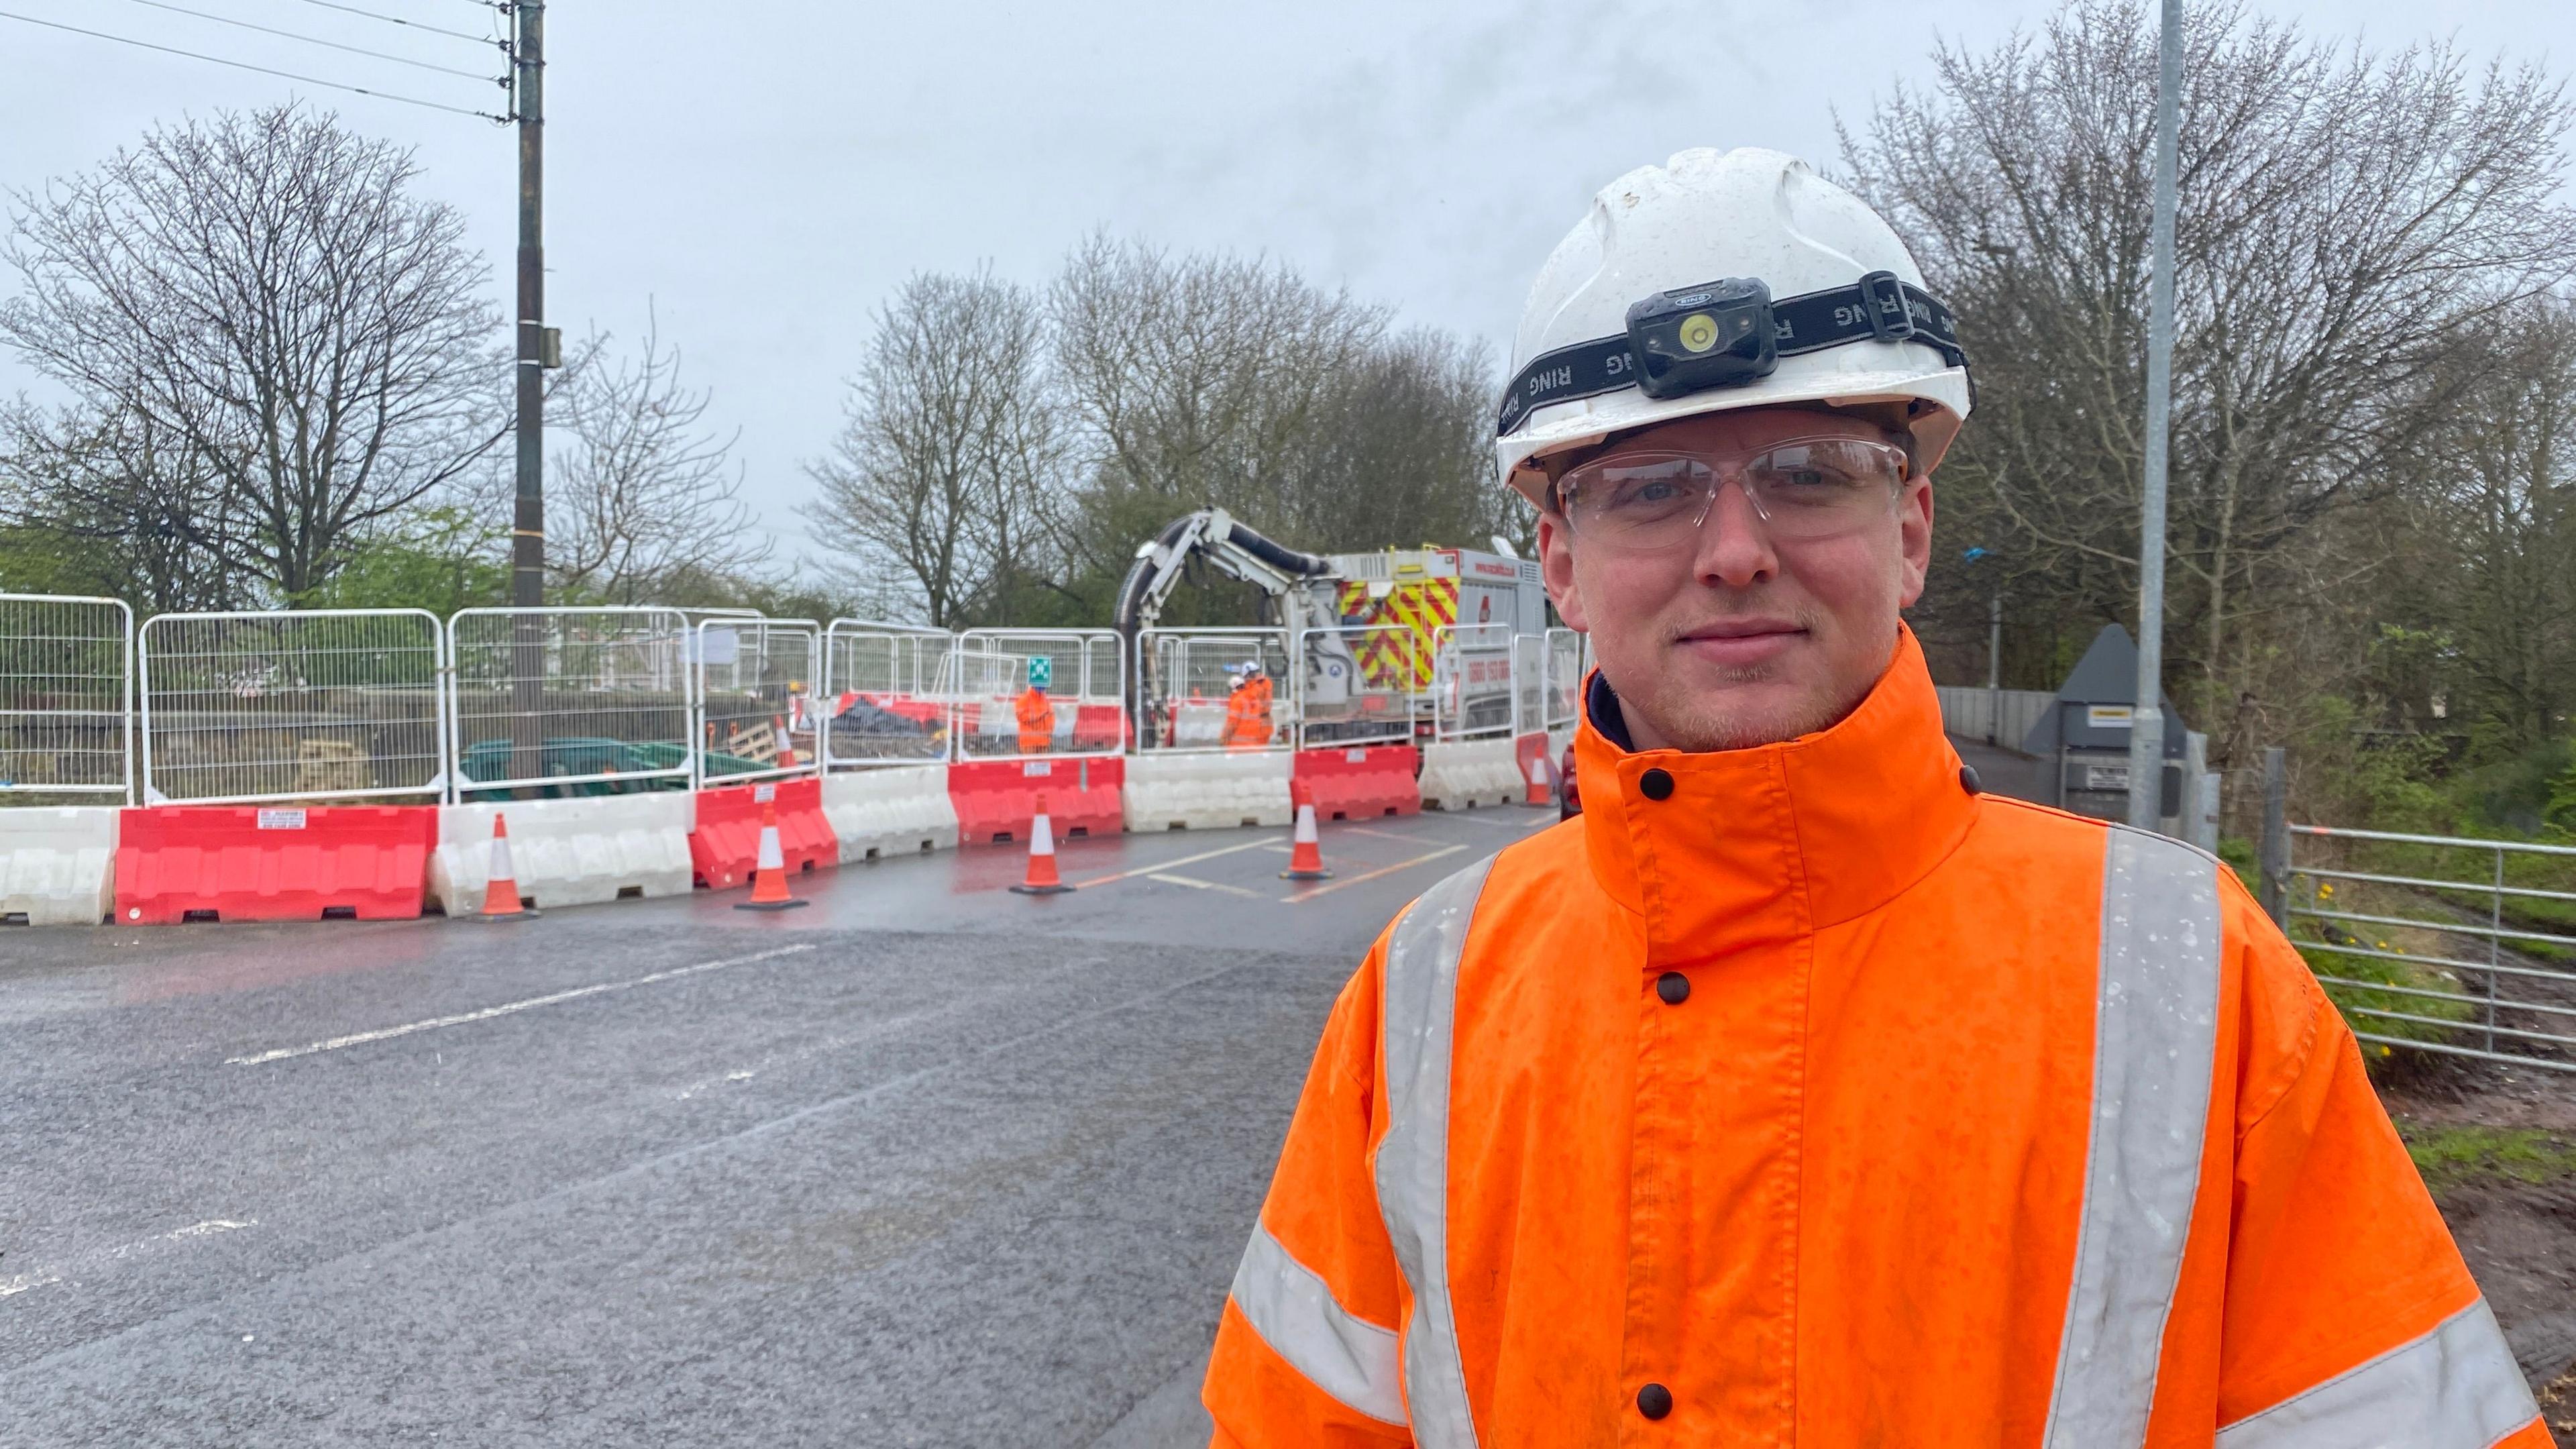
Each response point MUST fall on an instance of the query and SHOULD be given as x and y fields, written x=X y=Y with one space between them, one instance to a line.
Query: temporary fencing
x=305 y=704
x=567 y=852
x=755 y=697
x=364 y=863
x=1471 y=682
x=576 y=702
x=1078 y=674
x=724 y=844
x=66 y=700
x=56 y=865
x=1190 y=684
x=1357 y=685
x=881 y=701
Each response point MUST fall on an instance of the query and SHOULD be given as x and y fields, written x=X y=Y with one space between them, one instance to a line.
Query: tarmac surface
x=923 y=1163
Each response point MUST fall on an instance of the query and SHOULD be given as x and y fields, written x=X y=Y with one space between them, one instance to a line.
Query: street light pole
x=2147 y=720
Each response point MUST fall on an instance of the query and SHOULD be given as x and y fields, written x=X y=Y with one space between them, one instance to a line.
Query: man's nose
x=1734 y=543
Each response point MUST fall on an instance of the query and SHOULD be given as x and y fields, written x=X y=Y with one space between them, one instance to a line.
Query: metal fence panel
x=882 y=700
x=1357 y=685
x=1529 y=683
x=1186 y=682
x=2451 y=945
x=1562 y=695
x=300 y=704
x=755 y=697
x=2000 y=716
x=586 y=701
x=1471 y=681
x=1081 y=673
x=66 y=700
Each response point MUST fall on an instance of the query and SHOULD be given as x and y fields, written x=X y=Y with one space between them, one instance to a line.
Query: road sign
x=1041 y=672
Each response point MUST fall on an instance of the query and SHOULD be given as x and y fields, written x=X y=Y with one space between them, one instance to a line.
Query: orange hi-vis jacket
x=1801 y=1095
x=1036 y=716
x=1247 y=716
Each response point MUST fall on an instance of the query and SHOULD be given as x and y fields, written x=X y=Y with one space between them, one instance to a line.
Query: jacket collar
x=1757 y=847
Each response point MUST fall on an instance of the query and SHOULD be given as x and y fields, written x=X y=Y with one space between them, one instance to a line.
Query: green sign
x=1041 y=673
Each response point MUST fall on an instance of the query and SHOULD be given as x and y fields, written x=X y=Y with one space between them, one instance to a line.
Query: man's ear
x=1914 y=539
x=1556 y=567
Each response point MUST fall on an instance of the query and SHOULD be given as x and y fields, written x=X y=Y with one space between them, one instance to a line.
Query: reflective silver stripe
x=1338 y=1351
x=2454 y=1388
x=2155 y=1030
x=1413 y=1157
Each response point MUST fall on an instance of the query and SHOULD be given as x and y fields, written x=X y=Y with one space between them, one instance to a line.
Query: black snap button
x=1673 y=987
x=1654 y=1401
x=1968 y=780
x=1656 y=784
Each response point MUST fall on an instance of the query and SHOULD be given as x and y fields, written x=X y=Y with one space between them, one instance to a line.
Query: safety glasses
x=1804 y=488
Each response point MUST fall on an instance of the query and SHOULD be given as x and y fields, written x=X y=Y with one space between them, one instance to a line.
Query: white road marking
x=1352 y=880
x=12 y=1287
x=1168 y=864
x=1205 y=885
x=504 y=1009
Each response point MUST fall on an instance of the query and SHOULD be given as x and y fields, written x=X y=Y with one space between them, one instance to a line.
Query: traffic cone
x=1306 y=856
x=501 y=888
x=1042 y=879
x=1540 y=791
x=786 y=742
x=769 y=871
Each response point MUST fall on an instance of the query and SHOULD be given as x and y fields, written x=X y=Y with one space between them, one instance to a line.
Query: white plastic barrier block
x=1208 y=791
x=890 y=810
x=1463 y=774
x=57 y=865
x=566 y=852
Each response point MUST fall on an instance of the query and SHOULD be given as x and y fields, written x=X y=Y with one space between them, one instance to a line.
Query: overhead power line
x=398 y=20
x=261 y=69
x=317 y=40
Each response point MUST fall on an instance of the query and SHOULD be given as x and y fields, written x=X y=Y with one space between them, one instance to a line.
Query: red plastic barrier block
x=997 y=800
x=726 y=843
x=1099 y=727
x=1363 y=783
x=247 y=863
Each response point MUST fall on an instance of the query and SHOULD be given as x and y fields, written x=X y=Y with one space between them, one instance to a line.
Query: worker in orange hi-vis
x=1036 y=715
x=1247 y=710
x=1797 y=1093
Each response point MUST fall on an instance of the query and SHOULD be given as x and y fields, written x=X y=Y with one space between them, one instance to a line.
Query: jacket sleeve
x=2350 y=1318
x=1306 y=1353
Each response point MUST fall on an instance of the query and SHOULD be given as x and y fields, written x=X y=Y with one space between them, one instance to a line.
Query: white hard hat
x=1850 y=323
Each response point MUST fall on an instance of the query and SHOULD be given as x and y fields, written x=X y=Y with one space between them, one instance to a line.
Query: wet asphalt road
x=925 y=1163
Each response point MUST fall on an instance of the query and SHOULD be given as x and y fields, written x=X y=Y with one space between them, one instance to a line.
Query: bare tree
x=2346 y=217
x=266 y=296
x=949 y=467
x=151 y=503
x=645 y=495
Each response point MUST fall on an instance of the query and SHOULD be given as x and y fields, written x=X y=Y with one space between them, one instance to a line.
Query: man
x=1035 y=715
x=1247 y=708
x=1797 y=1093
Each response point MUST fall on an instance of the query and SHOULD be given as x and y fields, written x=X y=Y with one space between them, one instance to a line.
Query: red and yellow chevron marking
x=1417 y=609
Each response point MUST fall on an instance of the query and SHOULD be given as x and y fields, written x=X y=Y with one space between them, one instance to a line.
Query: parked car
x=1568 y=803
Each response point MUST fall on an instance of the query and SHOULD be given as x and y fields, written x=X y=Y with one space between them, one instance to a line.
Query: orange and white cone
x=786 y=742
x=1042 y=879
x=501 y=886
x=769 y=869
x=1541 y=792
x=1306 y=853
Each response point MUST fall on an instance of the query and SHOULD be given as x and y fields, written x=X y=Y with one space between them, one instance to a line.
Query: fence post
x=2276 y=836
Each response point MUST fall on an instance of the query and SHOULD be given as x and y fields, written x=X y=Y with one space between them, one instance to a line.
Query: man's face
x=1736 y=636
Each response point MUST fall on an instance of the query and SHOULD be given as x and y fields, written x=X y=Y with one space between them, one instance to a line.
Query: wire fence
x=1215 y=689
x=569 y=701
x=755 y=695
x=66 y=700
x=1356 y=685
x=1038 y=692
x=310 y=705
x=881 y=701
x=1471 y=681
x=2443 y=944
x=1561 y=698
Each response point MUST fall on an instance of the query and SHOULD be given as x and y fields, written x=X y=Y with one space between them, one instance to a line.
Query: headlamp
x=1719 y=334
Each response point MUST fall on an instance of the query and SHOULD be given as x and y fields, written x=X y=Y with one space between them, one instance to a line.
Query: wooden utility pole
x=528 y=524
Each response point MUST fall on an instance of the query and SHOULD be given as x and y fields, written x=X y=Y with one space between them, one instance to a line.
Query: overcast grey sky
x=765 y=173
